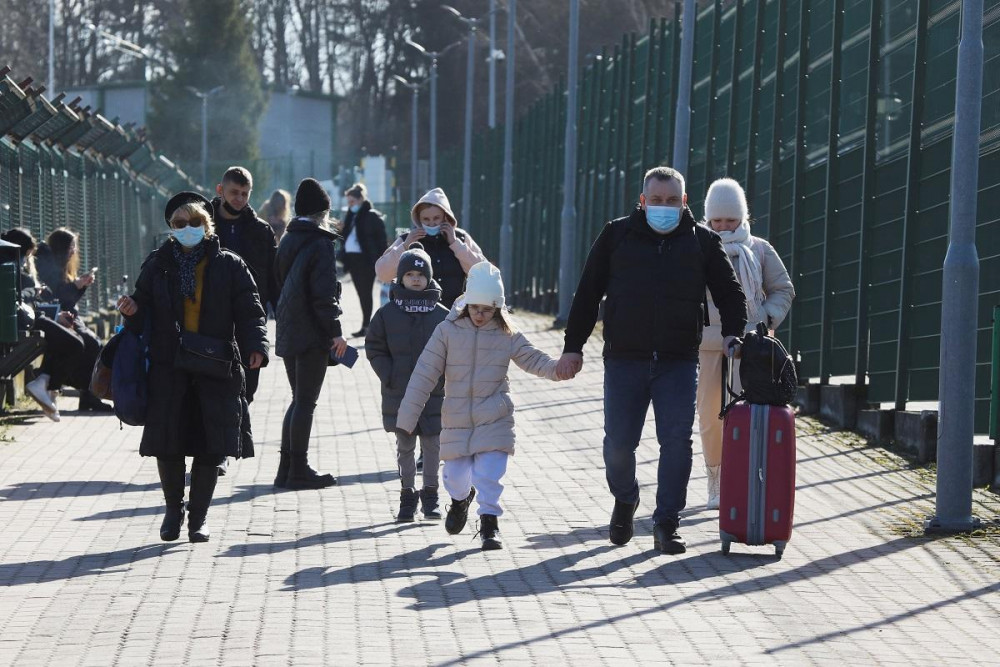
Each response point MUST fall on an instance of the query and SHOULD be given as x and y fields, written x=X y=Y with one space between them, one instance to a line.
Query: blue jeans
x=629 y=387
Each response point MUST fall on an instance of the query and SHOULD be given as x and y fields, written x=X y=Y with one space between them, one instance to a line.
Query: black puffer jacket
x=62 y=290
x=394 y=342
x=197 y=415
x=252 y=239
x=370 y=224
x=655 y=286
x=308 y=308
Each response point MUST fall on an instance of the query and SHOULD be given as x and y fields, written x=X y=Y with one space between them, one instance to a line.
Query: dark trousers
x=70 y=354
x=629 y=387
x=306 y=372
x=363 y=276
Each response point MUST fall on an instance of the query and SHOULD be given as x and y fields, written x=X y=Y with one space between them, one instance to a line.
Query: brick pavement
x=325 y=577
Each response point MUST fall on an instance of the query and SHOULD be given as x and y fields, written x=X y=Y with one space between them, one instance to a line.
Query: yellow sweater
x=192 y=309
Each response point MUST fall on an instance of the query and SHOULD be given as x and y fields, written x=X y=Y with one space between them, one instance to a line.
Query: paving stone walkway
x=326 y=577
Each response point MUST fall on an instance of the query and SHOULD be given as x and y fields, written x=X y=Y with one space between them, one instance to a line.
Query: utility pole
x=959 y=302
x=567 y=231
x=493 y=64
x=682 y=124
x=203 y=96
x=506 y=233
x=414 y=132
x=433 y=56
x=52 y=47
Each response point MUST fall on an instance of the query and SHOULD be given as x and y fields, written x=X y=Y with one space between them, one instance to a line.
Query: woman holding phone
x=57 y=261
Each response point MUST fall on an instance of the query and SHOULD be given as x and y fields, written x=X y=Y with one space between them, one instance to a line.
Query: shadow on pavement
x=45 y=571
x=33 y=490
x=348 y=534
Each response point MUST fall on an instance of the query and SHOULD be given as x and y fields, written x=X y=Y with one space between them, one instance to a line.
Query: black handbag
x=204 y=355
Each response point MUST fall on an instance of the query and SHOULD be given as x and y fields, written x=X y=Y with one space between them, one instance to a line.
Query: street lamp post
x=203 y=96
x=682 y=126
x=414 y=132
x=960 y=294
x=567 y=232
x=493 y=65
x=470 y=68
x=52 y=46
x=433 y=56
x=506 y=233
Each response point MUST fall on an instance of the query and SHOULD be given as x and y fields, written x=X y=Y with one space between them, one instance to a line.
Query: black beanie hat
x=182 y=198
x=311 y=198
x=415 y=259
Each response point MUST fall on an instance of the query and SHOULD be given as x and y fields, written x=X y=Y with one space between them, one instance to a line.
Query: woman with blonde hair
x=199 y=306
x=277 y=212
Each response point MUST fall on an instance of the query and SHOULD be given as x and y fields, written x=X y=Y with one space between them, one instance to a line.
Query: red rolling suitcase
x=758 y=475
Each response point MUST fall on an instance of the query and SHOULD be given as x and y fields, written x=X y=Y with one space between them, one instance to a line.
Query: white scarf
x=738 y=243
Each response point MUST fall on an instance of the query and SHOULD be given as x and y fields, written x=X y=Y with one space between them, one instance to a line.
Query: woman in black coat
x=364 y=242
x=308 y=327
x=190 y=285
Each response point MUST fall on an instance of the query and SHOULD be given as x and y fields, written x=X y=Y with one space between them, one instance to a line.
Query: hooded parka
x=478 y=413
x=393 y=344
x=190 y=415
x=309 y=293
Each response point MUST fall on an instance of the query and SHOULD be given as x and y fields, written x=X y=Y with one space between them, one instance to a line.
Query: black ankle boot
x=301 y=476
x=666 y=540
x=90 y=403
x=281 y=478
x=429 y=503
x=489 y=532
x=172 y=481
x=458 y=514
x=203 y=480
x=407 y=506
x=622 y=528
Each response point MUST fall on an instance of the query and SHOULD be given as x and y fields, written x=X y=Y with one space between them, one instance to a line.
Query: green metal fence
x=62 y=166
x=837 y=117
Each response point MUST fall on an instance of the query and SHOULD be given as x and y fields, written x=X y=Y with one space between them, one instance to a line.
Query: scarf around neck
x=187 y=261
x=410 y=301
x=738 y=244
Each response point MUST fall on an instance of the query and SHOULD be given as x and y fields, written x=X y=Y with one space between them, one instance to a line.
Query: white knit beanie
x=726 y=199
x=484 y=286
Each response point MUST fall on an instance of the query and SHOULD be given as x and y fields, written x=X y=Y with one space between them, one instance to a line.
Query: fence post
x=750 y=177
x=800 y=159
x=832 y=185
x=867 y=197
x=682 y=123
x=567 y=229
x=910 y=210
x=713 y=63
x=734 y=84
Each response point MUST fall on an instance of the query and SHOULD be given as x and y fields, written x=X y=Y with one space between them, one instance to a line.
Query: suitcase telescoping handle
x=727 y=387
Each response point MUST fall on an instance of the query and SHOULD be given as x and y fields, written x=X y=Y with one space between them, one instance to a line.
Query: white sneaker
x=53 y=415
x=714 y=474
x=38 y=389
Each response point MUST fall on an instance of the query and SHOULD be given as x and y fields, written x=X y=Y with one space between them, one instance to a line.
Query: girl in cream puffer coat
x=473 y=348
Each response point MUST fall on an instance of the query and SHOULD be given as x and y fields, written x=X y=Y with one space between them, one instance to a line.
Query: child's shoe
x=458 y=514
x=407 y=506
x=489 y=533
x=429 y=503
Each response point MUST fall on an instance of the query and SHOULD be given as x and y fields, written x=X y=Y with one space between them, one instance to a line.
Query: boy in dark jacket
x=398 y=333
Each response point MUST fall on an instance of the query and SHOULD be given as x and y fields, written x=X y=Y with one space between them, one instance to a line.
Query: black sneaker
x=360 y=333
x=666 y=540
x=407 y=506
x=458 y=514
x=489 y=533
x=621 y=528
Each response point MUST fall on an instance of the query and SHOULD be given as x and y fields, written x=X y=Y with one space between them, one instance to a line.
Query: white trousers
x=482 y=471
x=710 y=402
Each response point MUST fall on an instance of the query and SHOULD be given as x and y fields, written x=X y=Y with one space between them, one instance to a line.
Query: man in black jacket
x=654 y=266
x=364 y=242
x=241 y=231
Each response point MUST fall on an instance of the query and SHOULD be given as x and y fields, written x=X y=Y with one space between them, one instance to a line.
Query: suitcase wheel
x=725 y=546
x=779 y=549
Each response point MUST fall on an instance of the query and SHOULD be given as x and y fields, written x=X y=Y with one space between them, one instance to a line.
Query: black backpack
x=767 y=371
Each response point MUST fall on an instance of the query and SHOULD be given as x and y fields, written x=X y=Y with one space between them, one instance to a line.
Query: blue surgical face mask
x=432 y=231
x=355 y=208
x=663 y=219
x=189 y=236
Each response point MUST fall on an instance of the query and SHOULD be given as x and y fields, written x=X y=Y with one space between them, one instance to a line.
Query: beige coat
x=478 y=413
x=778 y=294
x=468 y=253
